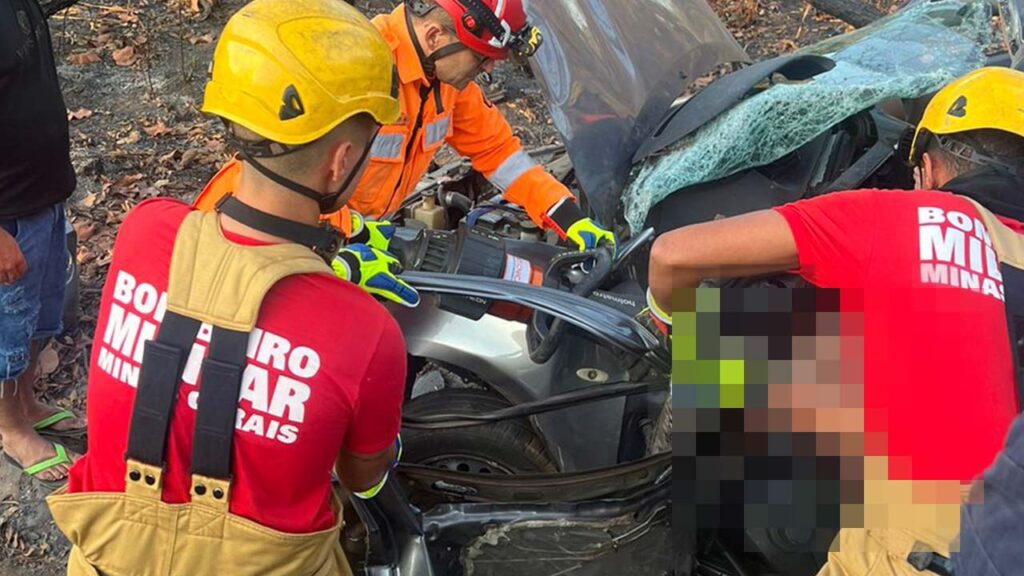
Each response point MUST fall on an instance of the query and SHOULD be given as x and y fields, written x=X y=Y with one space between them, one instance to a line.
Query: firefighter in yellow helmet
x=973 y=125
x=440 y=46
x=927 y=271
x=220 y=401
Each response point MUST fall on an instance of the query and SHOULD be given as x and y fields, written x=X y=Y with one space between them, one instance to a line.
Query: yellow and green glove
x=374 y=233
x=375 y=271
x=568 y=221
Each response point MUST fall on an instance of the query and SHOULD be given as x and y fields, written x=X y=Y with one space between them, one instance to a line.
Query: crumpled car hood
x=611 y=69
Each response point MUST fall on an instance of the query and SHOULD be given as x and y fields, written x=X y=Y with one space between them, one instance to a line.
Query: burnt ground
x=133 y=73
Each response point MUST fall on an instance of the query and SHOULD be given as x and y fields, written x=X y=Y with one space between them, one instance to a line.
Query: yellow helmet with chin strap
x=293 y=70
x=989 y=98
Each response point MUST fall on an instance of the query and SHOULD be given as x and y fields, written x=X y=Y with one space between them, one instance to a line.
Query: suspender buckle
x=923 y=558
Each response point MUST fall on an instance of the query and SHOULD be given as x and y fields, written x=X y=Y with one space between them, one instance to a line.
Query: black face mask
x=325 y=203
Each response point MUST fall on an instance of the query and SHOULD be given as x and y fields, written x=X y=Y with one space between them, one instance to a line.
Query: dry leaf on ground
x=125 y=56
x=167 y=158
x=197 y=39
x=131 y=138
x=101 y=40
x=48 y=360
x=84 y=230
x=158 y=129
x=128 y=180
x=186 y=158
x=202 y=6
x=79 y=114
x=83 y=58
x=84 y=255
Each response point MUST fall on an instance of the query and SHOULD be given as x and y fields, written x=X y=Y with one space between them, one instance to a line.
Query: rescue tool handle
x=544 y=332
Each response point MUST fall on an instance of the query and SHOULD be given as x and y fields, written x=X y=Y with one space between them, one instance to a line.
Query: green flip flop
x=44 y=465
x=45 y=426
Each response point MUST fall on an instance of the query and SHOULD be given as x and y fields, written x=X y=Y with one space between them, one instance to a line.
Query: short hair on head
x=998 y=143
x=440 y=17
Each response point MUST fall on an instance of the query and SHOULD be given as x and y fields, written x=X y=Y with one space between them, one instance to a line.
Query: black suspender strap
x=221 y=382
x=163 y=362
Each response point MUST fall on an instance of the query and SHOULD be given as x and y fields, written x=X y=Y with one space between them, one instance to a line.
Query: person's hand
x=374 y=233
x=376 y=272
x=568 y=221
x=12 y=262
x=588 y=235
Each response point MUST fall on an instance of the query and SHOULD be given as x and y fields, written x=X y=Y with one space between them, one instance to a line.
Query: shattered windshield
x=907 y=55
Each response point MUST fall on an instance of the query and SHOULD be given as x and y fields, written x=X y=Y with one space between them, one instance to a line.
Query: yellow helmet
x=987 y=98
x=293 y=70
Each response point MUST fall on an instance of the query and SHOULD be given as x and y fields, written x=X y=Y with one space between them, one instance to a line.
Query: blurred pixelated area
x=772 y=441
x=768 y=410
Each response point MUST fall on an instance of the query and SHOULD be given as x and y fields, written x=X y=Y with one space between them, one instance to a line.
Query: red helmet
x=493 y=28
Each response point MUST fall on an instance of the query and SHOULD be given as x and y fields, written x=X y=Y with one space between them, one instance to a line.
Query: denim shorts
x=31 y=308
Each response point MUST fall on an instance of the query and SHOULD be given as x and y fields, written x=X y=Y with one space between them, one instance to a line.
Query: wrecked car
x=535 y=414
x=535 y=418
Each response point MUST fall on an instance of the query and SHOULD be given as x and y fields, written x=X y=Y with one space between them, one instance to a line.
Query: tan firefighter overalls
x=909 y=550
x=134 y=533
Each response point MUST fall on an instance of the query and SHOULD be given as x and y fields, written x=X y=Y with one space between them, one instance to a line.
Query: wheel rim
x=469 y=464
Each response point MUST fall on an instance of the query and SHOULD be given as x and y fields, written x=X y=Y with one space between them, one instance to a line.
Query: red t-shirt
x=326 y=371
x=938 y=375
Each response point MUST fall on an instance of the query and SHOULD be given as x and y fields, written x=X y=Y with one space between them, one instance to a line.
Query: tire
x=506 y=447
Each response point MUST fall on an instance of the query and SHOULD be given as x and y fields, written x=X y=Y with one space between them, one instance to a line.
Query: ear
x=931 y=172
x=339 y=164
x=434 y=36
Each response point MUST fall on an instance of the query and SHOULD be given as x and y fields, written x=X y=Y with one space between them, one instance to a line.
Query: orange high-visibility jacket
x=226 y=180
x=402 y=153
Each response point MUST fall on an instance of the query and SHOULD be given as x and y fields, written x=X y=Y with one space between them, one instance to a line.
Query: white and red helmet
x=493 y=28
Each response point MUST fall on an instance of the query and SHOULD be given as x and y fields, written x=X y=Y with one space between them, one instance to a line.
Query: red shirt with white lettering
x=326 y=372
x=938 y=375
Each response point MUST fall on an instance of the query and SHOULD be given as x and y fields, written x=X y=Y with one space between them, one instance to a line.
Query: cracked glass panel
x=906 y=55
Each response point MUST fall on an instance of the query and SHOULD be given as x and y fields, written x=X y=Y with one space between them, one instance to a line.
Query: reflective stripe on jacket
x=402 y=153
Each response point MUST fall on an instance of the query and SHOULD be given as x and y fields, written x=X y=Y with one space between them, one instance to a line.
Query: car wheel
x=506 y=447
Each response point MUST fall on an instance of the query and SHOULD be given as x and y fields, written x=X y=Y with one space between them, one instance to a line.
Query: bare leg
x=33 y=409
x=21 y=442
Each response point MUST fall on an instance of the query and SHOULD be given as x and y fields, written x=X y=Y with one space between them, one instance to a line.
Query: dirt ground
x=132 y=72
